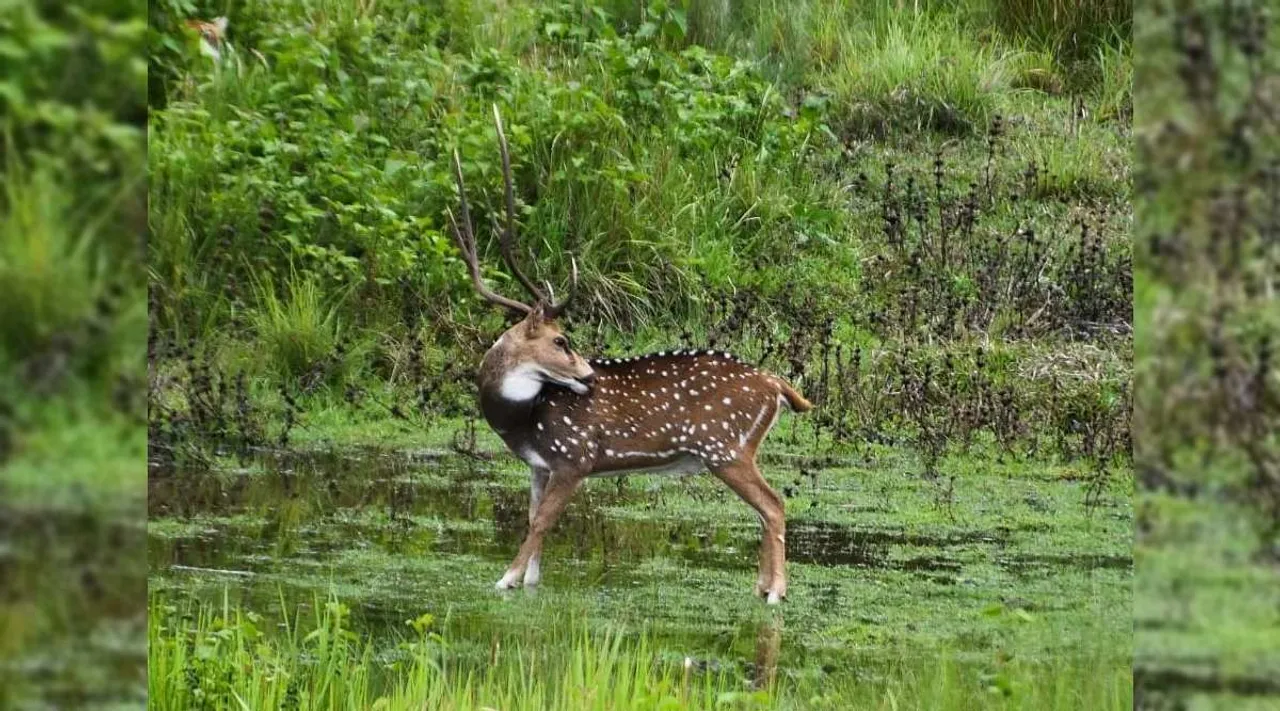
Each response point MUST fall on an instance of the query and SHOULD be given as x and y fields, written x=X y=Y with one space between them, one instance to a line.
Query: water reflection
x=298 y=504
x=768 y=646
x=72 y=596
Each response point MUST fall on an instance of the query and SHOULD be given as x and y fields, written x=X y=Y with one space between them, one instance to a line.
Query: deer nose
x=587 y=379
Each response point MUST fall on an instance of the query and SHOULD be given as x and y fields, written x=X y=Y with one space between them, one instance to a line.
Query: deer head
x=534 y=351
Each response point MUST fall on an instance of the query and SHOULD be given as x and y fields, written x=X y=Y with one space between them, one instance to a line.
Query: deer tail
x=795 y=400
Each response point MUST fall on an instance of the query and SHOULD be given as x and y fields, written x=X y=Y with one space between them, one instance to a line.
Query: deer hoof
x=508 y=581
x=532 y=575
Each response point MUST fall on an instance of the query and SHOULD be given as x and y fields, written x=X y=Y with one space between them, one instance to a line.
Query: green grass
x=1204 y=608
x=49 y=271
x=300 y=329
x=669 y=165
x=1076 y=169
x=224 y=657
x=76 y=457
x=1202 y=597
x=920 y=72
x=1071 y=30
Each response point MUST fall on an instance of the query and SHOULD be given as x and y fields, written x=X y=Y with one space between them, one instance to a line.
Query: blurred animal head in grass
x=211 y=36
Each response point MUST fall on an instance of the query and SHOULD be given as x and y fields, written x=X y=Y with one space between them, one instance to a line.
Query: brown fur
x=797 y=401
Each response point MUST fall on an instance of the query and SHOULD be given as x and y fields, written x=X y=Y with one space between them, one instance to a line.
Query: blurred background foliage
x=1207 y=411
x=72 y=215
x=73 y=329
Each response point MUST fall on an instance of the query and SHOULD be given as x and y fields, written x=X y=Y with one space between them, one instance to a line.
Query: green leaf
x=680 y=19
x=12 y=93
x=12 y=50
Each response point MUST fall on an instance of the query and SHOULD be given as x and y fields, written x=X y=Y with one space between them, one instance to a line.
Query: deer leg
x=744 y=478
x=765 y=567
x=560 y=487
x=537 y=484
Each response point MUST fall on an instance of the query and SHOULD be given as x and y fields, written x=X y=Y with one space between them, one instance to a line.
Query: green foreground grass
x=223 y=657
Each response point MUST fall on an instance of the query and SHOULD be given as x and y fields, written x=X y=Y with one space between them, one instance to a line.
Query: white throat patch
x=522 y=383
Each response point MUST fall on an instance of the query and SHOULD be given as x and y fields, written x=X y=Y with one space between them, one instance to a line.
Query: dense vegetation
x=72 y=219
x=919 y=217
x=72 y=333
x=1209 y=507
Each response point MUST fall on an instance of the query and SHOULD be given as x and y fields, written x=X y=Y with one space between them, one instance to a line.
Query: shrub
x=1071 y=30
x=920 y=71
x=300 y=331
x=51 y=273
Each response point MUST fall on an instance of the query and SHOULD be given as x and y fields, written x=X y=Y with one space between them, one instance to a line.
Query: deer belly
x=682 y=465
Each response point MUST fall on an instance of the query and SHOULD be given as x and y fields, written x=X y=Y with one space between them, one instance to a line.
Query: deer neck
x=510 y=392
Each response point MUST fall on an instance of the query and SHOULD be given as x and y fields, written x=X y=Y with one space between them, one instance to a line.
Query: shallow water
x=1010 y=563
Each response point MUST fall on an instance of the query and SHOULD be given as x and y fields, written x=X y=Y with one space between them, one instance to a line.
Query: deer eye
x=562 y=343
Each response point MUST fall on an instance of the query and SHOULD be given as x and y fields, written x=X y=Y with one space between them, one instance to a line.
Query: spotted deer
x=569 y=418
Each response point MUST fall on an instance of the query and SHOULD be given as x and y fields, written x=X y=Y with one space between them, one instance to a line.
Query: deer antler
x=555 y=309
x=507 y=243
x=508 y=239
x=467 y=241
